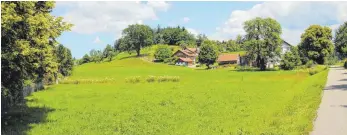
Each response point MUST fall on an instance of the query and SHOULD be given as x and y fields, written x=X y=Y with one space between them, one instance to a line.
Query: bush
x=171 y=60
x=151 y=79
x=134 y=79
x=168 y=78
x=345 y=65
x=332 y=60
x=317 y=69
x=162 y=52
x=290 y=60
x=310 y=64
x=87 y=81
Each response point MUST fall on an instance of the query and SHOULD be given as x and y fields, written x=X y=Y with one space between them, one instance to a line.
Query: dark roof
x=286 y=43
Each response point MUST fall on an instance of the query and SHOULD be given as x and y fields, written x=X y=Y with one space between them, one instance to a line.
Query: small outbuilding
x=228 y=59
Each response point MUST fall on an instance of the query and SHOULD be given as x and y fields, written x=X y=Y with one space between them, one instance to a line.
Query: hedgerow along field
x=220 y=101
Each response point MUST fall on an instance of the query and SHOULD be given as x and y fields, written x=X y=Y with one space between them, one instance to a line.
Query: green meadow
x=220 y=101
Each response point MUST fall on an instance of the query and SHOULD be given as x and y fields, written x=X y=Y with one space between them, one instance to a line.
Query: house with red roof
x=228 y=59
x=187 y=56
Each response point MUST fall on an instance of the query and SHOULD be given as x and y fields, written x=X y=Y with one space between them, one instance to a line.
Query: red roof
x=186 y=59
x=186 y=52
x=228 y=57
x=192 y=49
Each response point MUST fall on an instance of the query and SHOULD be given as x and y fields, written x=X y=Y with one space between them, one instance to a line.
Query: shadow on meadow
x=133 y=56
x=17 y=120
x=340 y=87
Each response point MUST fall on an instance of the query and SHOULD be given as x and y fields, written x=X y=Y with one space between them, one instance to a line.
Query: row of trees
x=263 y=44
x=29 y=50
x=97 y=55
x=138 y=36
x=317 y=46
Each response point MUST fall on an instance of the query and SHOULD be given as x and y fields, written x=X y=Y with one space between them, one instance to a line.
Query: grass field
x=207 y=102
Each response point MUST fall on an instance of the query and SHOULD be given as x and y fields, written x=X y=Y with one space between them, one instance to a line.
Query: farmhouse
x=228 y=59
x=276 y=61
x=186 y=56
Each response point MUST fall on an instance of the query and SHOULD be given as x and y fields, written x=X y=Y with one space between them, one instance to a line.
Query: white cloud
x=159 y=5
x=294 y=17
x=186 y=19
x=97 y=40
x=193 y=31
x=109 y=16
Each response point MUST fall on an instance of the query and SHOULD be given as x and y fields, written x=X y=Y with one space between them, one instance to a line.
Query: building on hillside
x=184 y=62
x=228 y=59
x=186 y=56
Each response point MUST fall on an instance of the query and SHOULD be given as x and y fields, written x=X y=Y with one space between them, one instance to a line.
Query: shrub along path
x=332 y=112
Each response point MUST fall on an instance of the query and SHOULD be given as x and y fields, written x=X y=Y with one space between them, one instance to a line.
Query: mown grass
x=218 y=101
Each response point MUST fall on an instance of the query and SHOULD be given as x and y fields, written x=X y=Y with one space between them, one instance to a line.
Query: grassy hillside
x=202 y=102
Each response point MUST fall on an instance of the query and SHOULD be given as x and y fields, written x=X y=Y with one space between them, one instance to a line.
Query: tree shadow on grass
x=134 y=56
x=337 y=87
x=18 y=119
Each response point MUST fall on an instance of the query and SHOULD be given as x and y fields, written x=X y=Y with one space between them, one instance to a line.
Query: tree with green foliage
x=158 y=36
x=340 y=40
x=28 y=39
x=137 y=36
x=201 y=38
x=240 y=40
x=85 y=59
x=232 y=46
x=64 y=59
x=173 y=35
x=290 y=59
x=208 y=53
x=162 y=52
x=316 y=44
x=262 y=40
x=108 y=49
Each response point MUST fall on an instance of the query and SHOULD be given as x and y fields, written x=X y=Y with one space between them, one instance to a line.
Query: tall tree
x=137 y=36
x=28 y=39
x=262 y=40
x=341 y=40
x=64 y=59
x=240 y=40
x=232 y=46
x=316 y=44
x=208 y=53
x=107 y=51
x=201 y=38
x=85 y=59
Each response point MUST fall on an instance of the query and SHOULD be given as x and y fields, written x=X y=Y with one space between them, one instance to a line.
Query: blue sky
x=97 y=24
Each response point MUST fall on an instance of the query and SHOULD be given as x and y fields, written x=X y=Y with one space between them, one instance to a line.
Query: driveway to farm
x=332 y=112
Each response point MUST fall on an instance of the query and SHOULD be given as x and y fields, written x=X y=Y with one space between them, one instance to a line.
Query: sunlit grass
x=219 y=101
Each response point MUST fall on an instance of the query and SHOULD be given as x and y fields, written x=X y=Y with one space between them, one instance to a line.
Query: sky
x=97 y=24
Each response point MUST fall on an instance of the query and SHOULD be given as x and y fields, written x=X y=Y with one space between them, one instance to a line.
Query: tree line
x=262 y=43
x=137 y=36
x=98 y=56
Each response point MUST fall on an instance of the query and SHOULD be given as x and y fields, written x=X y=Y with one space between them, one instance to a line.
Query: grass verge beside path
x=202 y=102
